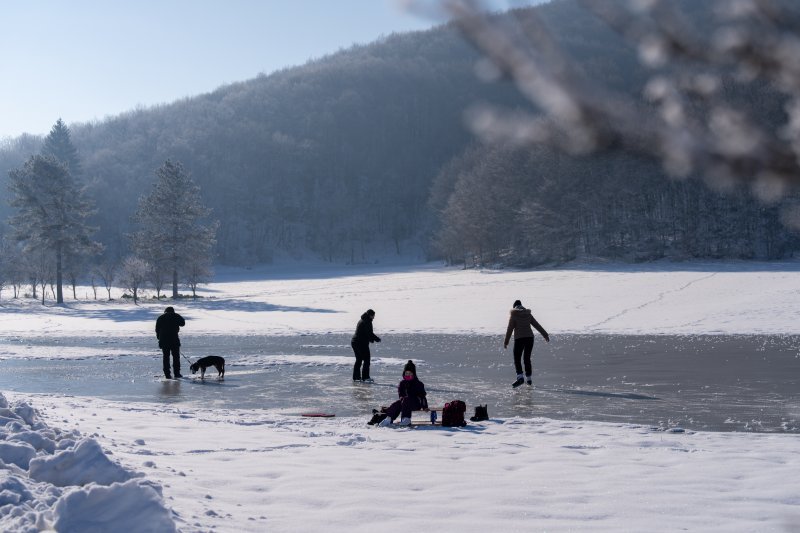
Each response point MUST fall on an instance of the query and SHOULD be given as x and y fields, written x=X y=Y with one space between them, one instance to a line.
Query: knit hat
x=370 y=312
x=517 y=303
x=169 y=309
x=410 y=366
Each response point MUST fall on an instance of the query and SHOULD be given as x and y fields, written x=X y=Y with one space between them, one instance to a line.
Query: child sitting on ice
x=412 y=398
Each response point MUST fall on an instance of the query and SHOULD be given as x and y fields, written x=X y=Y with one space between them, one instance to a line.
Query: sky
x=86 y=60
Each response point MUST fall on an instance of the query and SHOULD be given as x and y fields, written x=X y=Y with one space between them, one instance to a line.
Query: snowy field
x=201 y=469
x=657 y=298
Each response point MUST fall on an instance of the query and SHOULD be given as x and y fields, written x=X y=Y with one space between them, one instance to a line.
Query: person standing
x=520 y=323
x=167 y=327
x=360 y=344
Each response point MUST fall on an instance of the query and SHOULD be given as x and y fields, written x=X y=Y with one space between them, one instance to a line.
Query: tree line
x=51 y=242
x=528 y=207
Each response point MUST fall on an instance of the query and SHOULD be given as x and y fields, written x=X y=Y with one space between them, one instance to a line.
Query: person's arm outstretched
x=540 y=329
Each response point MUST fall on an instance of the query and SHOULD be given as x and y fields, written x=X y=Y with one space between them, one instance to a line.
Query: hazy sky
x=83 y=60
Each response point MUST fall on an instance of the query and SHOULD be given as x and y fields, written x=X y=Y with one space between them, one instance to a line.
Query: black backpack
x=453 y=414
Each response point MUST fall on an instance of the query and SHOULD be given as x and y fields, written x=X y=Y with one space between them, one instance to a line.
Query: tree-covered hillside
x=366 y=151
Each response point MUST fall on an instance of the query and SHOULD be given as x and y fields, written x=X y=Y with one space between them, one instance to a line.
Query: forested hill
x=359 y=153
x=334 y=157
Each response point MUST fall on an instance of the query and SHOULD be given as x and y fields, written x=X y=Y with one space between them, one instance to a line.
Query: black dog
x=205 y=362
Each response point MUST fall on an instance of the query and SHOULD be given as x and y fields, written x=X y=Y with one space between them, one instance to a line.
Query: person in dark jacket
x=412 y=398
x=520 y=323
x=360 y=344
x=167 y=327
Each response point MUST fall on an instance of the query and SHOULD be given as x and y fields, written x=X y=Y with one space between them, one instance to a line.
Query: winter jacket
x=364 y=335
x=520 y=323
x=167 y=327
x=413 y=389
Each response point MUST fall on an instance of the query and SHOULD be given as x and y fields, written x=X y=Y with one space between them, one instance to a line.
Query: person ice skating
x=520 y=323
x=412 y=398
x=360 y=344
x=167 y=327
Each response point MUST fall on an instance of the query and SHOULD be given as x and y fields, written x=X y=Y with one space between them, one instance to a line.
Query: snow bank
x=129 y=506
x=85 y=463
x=51 y=478
x=17 y=454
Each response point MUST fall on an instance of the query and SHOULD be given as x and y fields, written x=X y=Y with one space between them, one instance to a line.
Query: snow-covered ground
x=253 y=470
x=689 y=298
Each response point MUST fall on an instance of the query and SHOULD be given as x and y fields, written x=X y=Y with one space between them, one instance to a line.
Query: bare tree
x=197 y=271
x=107 y=272
x=74 y=267
x=43 y=265
x=93 y=282
x=133 y=275
x=158 y=278
x=6 y=263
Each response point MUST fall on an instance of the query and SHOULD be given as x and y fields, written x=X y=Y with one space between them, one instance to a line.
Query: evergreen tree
x=58 y=144
x=172 y=236
x=51 y=212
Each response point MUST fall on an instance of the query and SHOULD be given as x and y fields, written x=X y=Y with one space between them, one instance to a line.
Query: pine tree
x=51 y=212
x=58 y=144
x=172 y=237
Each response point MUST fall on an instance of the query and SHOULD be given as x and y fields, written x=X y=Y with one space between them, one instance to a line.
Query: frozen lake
x=717 y=383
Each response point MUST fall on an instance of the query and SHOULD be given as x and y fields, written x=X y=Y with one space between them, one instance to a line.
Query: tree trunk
x=174 y=283
x=59 y=294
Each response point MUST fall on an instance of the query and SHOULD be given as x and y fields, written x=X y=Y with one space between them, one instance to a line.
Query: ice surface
x=701 y=382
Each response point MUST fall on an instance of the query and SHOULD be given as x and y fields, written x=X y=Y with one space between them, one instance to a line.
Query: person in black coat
x=360 y=344
x=167 y=327
x=412 y=397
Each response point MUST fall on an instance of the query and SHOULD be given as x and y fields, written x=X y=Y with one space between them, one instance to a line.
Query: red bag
x=453 y=414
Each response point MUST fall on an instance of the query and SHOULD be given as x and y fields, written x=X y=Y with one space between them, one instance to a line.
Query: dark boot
x=481 y=413
x=176 y=363
x=377 y=418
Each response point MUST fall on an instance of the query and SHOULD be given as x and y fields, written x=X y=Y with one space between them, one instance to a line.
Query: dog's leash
x=184 y=356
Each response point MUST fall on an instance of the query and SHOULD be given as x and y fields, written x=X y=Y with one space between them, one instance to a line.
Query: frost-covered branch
x=721 y=97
